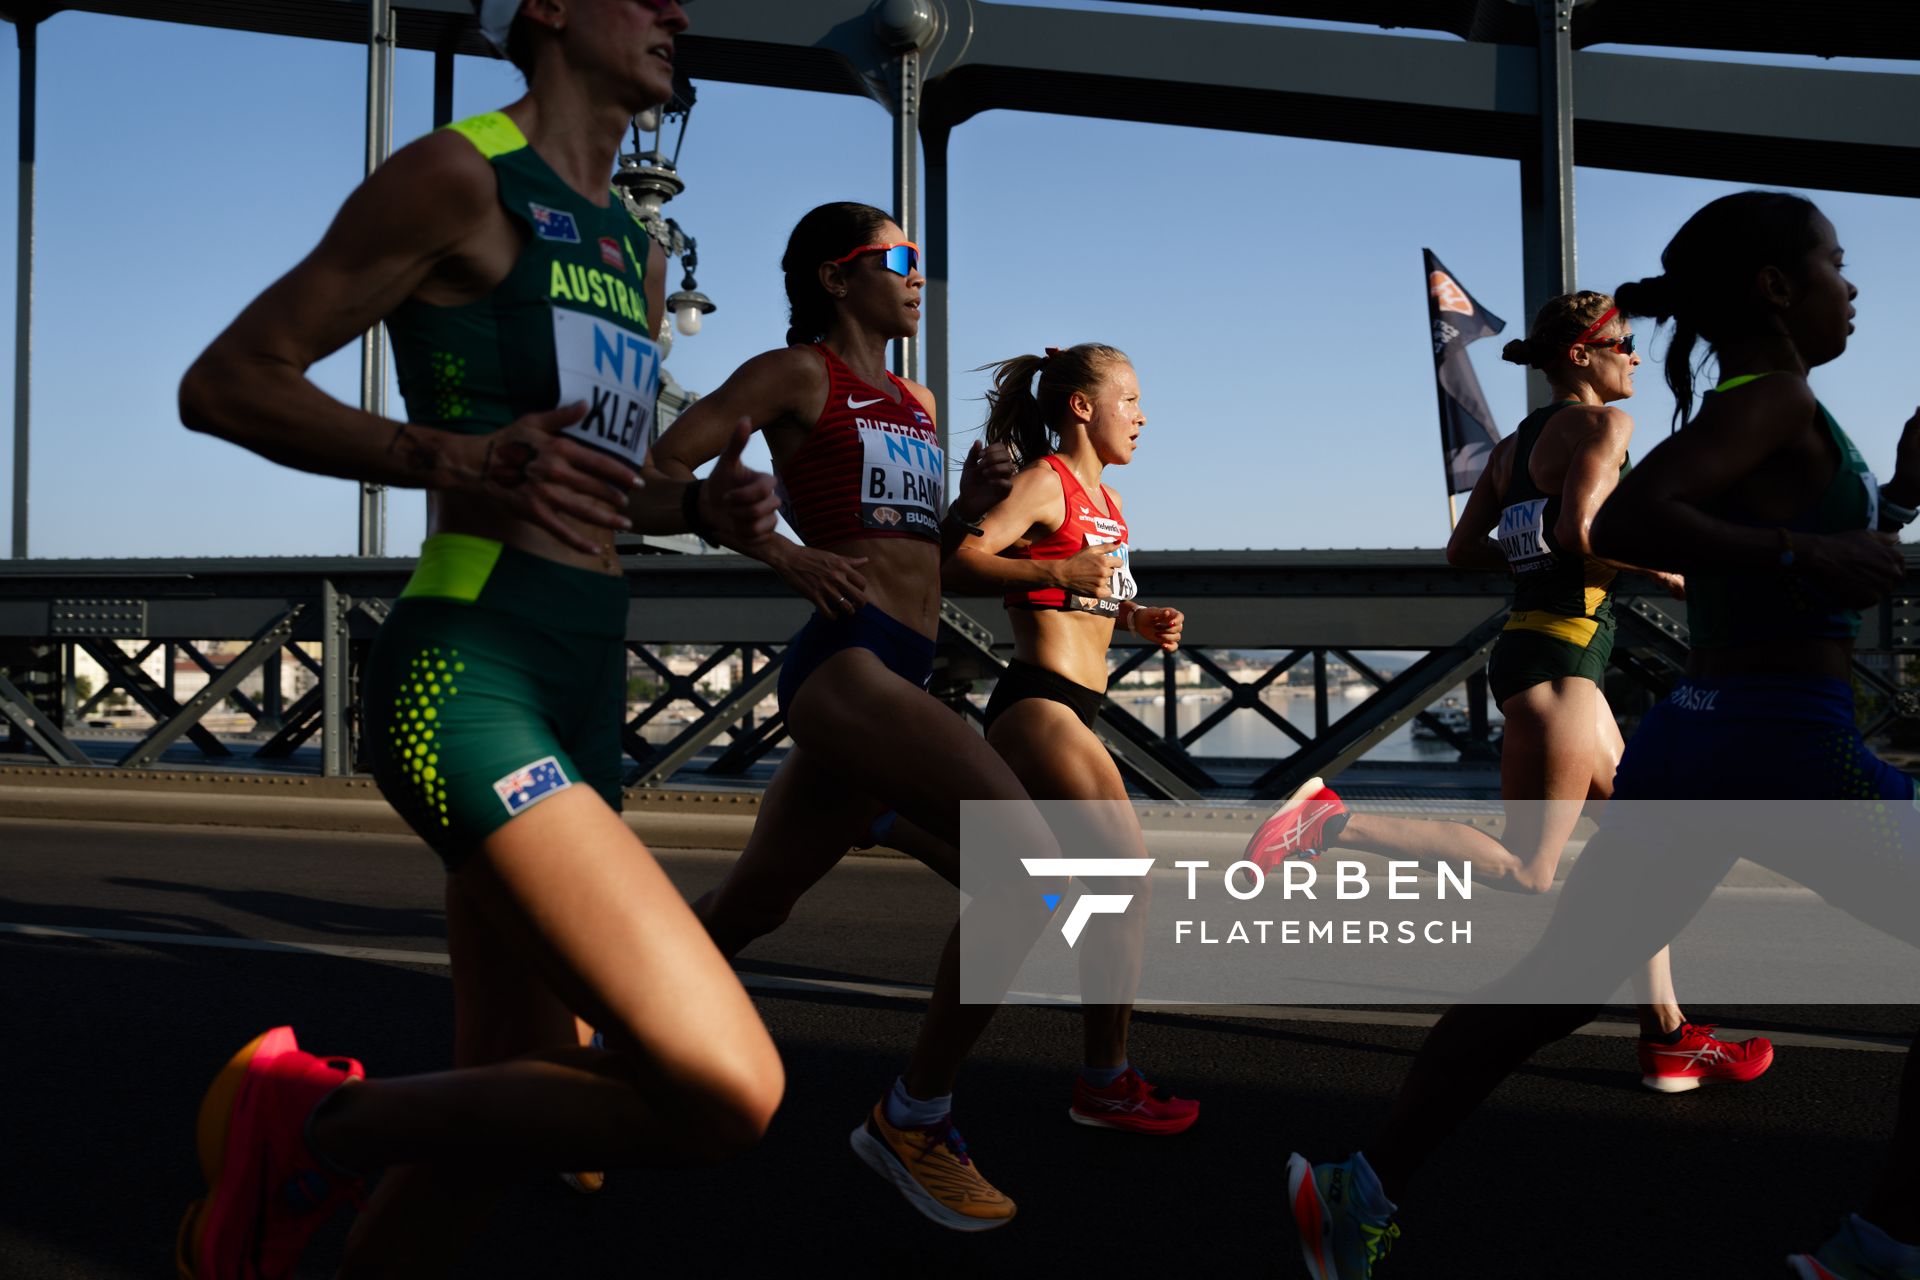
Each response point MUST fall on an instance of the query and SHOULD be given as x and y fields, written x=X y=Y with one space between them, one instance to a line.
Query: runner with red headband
x=1539 y=494
x=859 y=456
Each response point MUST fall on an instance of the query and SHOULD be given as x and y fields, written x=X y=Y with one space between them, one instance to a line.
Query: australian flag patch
x=533 y=782
x=554 y=224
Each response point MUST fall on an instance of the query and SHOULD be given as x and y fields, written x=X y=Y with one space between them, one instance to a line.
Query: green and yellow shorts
x=499 y=680
x=1537 y=647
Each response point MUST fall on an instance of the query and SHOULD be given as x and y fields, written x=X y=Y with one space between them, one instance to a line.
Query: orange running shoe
x=932 y=1169
x=267 y=1192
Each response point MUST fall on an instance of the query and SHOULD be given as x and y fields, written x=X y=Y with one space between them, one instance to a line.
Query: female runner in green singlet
x=495 y=253
x=1769 y=510
x=1540 y=492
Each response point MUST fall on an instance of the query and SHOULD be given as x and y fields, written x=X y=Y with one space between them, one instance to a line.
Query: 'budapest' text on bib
x=617 y=372
x=903 y=479
x=1111 y=538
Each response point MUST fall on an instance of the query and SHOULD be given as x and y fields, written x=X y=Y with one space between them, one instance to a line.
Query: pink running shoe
x=1700 y=1059
x=266 y=1190
x=1132 y=1104
x=1296 y=827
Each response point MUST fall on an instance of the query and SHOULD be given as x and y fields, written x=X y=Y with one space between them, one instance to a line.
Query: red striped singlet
x=1083 y=527
x=870 y=468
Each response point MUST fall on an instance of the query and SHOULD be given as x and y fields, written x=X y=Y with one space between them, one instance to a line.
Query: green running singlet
x=1562 y=620
x=499 y=679
x=1728 y=609
x=568 y=323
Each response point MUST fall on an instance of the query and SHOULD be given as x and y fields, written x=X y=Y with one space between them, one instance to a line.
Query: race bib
x=1523 y=534
x=1121 y=586
x=617 y=372
x=903 y=484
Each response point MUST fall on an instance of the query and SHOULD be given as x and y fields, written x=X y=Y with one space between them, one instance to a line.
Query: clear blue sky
x=1269 y=289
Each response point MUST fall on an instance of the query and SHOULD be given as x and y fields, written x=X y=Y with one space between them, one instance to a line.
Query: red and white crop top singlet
x=1083 y=527
x=870 y=468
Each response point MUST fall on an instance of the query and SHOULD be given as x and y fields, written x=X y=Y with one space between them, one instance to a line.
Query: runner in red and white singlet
x=1058 y=544
x=859 y=456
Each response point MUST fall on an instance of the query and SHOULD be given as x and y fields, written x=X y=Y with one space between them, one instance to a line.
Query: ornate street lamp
x=646 y=179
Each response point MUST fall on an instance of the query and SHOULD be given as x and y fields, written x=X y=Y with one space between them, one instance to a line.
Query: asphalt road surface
x=138 y=958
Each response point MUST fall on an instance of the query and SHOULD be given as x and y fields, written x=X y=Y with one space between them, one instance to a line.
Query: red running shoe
x=1132 y=1104
x=266 y=1191
x=1700 y=1059
x=1296 y=827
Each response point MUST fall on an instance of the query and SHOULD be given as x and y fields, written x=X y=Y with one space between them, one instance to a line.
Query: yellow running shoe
x=933 y=1171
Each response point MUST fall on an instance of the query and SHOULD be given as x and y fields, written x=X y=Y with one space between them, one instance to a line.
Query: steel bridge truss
x=1312 y=609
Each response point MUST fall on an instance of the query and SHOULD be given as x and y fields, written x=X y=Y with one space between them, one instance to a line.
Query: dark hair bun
x=1517 y=352
x=1653 y=297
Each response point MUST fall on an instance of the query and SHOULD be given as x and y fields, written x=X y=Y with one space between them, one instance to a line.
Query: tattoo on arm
x=419 y=455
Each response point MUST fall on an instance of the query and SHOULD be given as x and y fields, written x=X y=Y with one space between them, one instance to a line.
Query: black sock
x=1671 y=1037
x=1330 y=833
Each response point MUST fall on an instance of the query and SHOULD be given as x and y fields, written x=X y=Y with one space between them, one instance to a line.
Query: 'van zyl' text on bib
x=1523 y=535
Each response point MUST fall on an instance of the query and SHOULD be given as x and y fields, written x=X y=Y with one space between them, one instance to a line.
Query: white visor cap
x=496 y=18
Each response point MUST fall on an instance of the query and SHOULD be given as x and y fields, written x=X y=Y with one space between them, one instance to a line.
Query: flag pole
x=1453 y=516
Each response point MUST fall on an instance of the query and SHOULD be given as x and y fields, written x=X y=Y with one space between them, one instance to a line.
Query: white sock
x=904 y=1111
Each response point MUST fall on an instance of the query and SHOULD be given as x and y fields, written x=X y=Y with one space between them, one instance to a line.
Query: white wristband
x=1900 y=516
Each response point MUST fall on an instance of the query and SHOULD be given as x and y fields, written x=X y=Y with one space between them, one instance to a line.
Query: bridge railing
x=1254 y=618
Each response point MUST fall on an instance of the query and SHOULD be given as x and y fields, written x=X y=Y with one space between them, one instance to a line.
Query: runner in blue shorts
x=1783 y=535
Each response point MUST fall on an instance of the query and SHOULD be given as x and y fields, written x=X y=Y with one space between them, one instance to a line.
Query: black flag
x=1467 y=433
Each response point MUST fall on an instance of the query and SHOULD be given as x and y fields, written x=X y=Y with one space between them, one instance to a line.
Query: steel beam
x=37 y=727
x=906 y=183
x=336 y=758
x=1402 y=698
x=1836 y=130
x=443 y=86
x=154 y=699
x=1838 y=28
x=301 y=721
x=1546 y=180
x=373 y=343
x=247 y=705
x=1849 y=131
x=244 y=664
x=28 y=35
x=739 y=703
x=934 y=136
